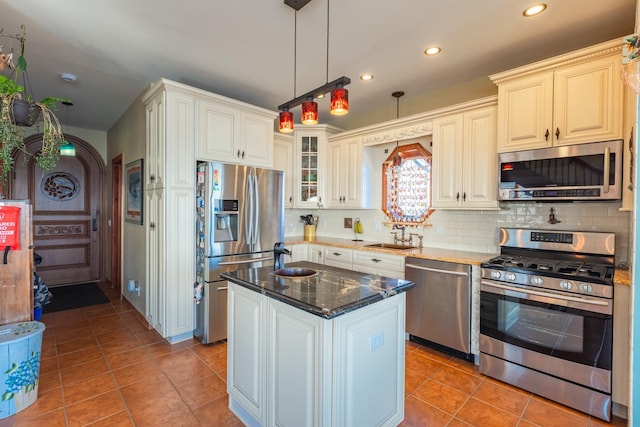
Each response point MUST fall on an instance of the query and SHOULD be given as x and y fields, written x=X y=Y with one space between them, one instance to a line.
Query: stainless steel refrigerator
x=240 y=217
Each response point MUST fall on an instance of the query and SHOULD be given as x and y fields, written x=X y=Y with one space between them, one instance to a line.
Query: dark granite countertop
x=330 y=293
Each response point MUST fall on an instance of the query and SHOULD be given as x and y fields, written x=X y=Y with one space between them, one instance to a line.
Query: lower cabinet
x=378 y=263
x=338 y=257
x=621 y=346
x=287 y=367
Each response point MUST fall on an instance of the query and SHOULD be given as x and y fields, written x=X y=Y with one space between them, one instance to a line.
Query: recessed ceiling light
x=69 y=78
x=430 y=51
x=534 y=10
x=366 y=77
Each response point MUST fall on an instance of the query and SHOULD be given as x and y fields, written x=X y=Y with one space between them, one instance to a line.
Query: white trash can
x=20 y=350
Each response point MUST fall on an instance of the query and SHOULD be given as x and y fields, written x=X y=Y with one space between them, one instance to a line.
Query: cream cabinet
x=571 y=100
x=315 y=254
x=464 y=160
x=168 y=211
x=338 y=257
x=283 y=152
x=234 y=132
x=298 y=252
x=621 y=384
x=310 y=165
x=287 y=367
x=347 y=186
x=387 y=265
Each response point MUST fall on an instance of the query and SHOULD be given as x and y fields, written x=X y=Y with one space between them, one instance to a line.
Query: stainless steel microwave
x=572 y=172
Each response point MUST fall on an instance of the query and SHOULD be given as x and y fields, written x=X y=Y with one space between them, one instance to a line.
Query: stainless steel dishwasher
x=439 y=307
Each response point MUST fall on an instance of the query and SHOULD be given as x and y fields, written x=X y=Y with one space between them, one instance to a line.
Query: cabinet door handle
x=152 y=225
x=457 y=197
x=376 y=260
x=464 y=196
x=546 y=135
x=238 y=153
x=290 y=199
x=243 y=154
x=337 y=253
x=557 y=133
x=152 y=178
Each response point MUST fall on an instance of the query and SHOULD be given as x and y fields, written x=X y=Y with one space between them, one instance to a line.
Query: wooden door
x=67 y=212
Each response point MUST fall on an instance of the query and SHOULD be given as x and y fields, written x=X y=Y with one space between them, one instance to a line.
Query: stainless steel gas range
x=546 y=316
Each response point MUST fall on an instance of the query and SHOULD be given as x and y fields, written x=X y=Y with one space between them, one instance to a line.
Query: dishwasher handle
x=437 y=270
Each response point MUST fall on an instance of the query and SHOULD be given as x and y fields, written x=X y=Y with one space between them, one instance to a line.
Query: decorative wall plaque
x=60 y=186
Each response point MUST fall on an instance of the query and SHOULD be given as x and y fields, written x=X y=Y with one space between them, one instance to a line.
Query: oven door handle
x=606 y=305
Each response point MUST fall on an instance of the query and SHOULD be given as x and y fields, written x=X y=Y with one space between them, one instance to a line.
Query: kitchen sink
x=388 y=246
x=295 y=272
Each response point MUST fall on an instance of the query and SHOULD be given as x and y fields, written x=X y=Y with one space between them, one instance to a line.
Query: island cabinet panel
x=288 y=367
x=369 y=361
x=246 y=364
x=299 y=362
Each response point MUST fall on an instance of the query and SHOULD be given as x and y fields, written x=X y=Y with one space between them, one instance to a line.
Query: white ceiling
x=244 y=49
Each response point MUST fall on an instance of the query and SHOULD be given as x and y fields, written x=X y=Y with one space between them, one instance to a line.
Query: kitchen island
x=322 y=350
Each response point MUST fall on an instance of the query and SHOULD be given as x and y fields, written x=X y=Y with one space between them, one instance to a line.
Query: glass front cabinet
x=310 y=164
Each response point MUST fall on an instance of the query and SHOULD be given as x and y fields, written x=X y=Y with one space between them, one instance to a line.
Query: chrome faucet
x=278 y=251
x=419 y=238
x=402 y=239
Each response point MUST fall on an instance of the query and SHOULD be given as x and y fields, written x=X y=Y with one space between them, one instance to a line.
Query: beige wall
x=128 y=137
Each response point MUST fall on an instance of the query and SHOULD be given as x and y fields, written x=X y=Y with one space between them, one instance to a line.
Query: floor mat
x=74 y=296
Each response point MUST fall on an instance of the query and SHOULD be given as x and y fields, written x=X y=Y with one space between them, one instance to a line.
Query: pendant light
x=310 y=112
x=339 y=105
x=285 y=121
x=67 y=149
x=397 y=158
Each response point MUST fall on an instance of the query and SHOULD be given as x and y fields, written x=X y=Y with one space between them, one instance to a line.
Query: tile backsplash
x=477 y=231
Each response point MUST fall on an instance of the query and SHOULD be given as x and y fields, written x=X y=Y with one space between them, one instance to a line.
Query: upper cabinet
x=234 y=132
x=570 y=99
x=465 y=159
x=283 y=154
x=310 y=165
x=346 y=180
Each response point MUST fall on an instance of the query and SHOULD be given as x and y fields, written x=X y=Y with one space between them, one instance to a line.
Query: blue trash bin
x=20 y=351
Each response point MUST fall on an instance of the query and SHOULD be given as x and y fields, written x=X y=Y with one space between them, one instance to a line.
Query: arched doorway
x=68 y=220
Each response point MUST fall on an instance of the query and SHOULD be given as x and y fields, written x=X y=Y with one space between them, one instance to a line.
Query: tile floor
x=101 y=366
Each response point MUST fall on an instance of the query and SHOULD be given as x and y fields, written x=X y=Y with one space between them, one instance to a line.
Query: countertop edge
x=407 y=285
x=431 y=253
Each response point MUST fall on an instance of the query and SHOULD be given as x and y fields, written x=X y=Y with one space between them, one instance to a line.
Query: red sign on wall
x=10 y=227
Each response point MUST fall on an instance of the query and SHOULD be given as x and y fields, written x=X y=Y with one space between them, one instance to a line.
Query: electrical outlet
x=348 y=222
x=376 y=341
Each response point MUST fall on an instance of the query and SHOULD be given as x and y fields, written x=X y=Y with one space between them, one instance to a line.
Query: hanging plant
x=13 y=102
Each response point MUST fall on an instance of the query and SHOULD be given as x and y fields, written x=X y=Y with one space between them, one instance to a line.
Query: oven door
x=564 y=327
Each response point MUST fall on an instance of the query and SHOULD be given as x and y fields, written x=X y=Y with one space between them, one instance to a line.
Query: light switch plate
x=348 y=222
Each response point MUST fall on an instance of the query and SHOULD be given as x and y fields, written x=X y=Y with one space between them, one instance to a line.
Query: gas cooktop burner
x=541 y=266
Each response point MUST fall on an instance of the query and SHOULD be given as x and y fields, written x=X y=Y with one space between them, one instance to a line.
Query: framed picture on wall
x=134 y=191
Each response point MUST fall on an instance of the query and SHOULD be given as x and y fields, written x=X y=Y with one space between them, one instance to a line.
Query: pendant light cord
x=295 y=50
x=327 y=78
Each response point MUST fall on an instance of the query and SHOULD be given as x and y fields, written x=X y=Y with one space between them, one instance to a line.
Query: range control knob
x=585 y=287
x=536 y=280
x=566 y=284
x=510 y=276
x=495 y=274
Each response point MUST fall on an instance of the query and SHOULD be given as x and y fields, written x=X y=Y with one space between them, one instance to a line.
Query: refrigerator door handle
x=247 y=261
x=256 y=210
x=248 y=218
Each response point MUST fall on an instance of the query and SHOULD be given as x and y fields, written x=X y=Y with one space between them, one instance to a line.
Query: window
x=406 y=185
